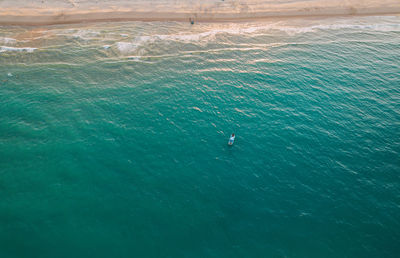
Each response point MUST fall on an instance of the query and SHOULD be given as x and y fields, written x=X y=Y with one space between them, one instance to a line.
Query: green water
x=113 y=139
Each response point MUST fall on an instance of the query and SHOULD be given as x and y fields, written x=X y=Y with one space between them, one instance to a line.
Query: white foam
x=18 y=49
x=9 y=41
x=126 y=47
x=254 y=30
x=129 y=47
x=82 y=34
x=376 y=27
x=209 y=35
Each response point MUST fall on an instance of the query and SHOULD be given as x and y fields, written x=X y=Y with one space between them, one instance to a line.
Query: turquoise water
x=113 y=139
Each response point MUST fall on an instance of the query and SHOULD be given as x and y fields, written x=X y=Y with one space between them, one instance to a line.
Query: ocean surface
x=113 y=139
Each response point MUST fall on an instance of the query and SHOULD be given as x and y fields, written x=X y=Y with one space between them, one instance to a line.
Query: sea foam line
x=10 y=41
x=18 y=49
x=252 y=31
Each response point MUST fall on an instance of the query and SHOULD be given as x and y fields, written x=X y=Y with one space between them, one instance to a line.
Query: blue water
x=113 y=139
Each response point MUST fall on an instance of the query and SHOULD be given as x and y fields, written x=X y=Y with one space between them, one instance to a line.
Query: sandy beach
x=42 y=12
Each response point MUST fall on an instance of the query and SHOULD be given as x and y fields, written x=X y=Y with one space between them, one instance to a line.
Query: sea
x=113 y=139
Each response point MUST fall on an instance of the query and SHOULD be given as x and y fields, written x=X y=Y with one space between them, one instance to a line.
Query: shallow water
x=113 y=139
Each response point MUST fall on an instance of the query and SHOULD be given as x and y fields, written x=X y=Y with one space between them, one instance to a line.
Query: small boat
x=231 y=139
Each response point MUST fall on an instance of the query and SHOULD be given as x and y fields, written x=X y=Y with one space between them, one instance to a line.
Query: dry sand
x=40 y=12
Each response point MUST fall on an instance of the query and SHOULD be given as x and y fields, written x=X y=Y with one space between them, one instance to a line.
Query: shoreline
x=209 y=12
x=10 y=20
